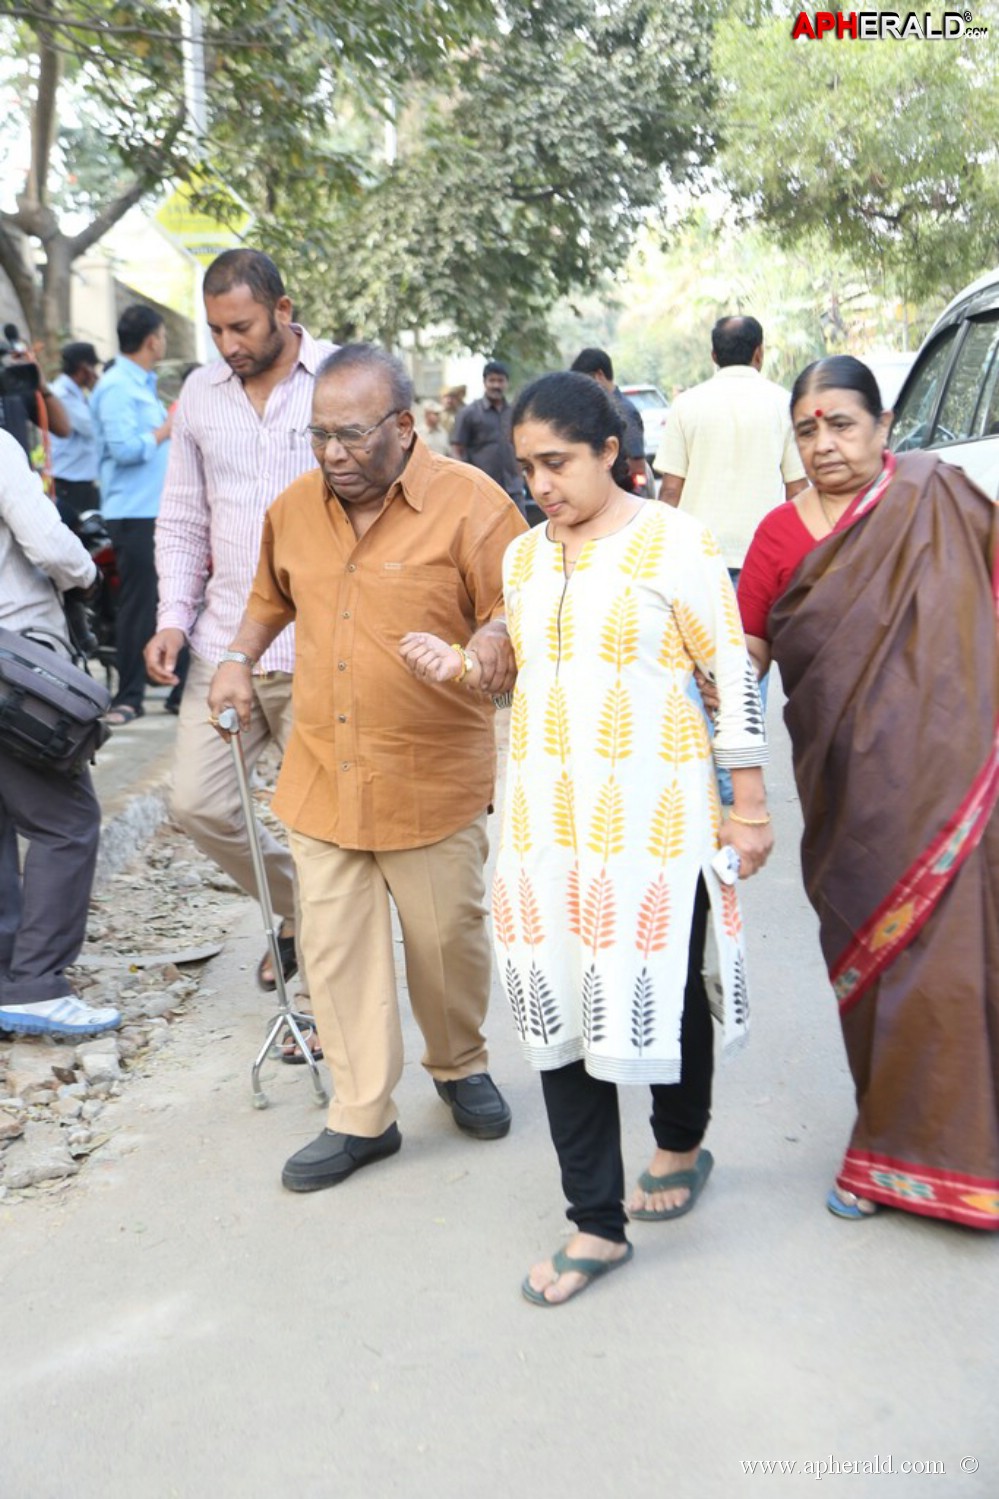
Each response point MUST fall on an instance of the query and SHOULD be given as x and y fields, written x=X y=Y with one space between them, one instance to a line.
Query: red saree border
x=907 y=908
x=926 y=1190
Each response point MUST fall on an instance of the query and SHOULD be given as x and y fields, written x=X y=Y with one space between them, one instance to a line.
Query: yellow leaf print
x=518 y=728
x=615 y=726
x=520 y=822
x=696 y=635
x=644 y=554
x=564 y=811
x=557 y=725
x=523 y=562
x=683 y=735
x=514 y=625
x=733 y=621
x=619 y=636
x=560 y=631
x=669 y=825
x=585 y=558
x=672 y=652
x=607 y=827
x=709 y=546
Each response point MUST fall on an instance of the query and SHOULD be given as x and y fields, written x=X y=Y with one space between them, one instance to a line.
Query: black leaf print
x=594 y=1007
x=752 y=705
x=515 y=994
x=642 y=1013
x=543 y=1017
x=740 y=992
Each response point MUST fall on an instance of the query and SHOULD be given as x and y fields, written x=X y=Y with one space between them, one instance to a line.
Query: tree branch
x=19 y=276
x=43 y=116
x=148 y=178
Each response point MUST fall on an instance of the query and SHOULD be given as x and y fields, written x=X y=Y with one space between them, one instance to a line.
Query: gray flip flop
x=693 y=1180
x=563 y=1263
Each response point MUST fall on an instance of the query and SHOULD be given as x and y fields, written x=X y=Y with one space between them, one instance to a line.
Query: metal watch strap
x=240 y=657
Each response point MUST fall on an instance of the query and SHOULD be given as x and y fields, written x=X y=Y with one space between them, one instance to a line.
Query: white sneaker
x=65 y=1016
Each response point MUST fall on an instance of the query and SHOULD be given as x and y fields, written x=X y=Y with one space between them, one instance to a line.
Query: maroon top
x=782 y=539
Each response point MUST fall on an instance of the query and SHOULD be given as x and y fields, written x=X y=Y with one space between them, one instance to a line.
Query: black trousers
x=584 y=1117
x=73 y=497
x=135 y=620
x=43 y=911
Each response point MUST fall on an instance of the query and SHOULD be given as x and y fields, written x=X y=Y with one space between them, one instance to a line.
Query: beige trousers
x=439 y=892
x=205 y=800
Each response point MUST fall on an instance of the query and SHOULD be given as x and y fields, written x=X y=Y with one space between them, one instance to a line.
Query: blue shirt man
x=132 y=430
x=74 y=458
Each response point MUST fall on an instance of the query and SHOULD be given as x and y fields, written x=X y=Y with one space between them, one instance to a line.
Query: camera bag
x=51 y=712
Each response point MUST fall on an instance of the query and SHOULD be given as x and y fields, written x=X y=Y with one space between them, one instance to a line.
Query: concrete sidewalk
x=177 y=1325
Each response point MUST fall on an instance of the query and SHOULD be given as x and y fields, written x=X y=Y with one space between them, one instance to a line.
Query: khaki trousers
x=439 y=892
x=205 y=800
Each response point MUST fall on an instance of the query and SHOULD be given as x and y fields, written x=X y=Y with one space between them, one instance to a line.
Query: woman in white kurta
x=611 y=817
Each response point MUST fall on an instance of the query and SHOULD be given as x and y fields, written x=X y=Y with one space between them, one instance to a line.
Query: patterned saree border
x=907 y=908
x=927 y=1190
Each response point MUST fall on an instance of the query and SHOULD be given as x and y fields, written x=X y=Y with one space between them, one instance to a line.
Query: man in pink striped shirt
x=240 y=437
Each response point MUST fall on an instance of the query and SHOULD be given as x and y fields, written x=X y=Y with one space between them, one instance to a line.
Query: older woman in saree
x=875 y=591
x=604 y=884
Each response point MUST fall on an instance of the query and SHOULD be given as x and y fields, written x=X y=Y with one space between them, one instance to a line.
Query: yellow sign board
x=201 y=234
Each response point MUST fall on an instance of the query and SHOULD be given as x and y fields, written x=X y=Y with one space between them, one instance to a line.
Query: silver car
x=950 y=400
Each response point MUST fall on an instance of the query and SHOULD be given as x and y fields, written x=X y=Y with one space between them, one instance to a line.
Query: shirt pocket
x=414 y=596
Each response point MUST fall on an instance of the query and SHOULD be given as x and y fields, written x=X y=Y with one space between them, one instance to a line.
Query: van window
x=970 y=379
x=915 y=410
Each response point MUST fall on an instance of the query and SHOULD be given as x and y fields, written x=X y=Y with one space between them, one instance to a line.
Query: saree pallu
x=887 y=646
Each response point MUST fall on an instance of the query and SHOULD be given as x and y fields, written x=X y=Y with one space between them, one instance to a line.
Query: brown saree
x=886 y=640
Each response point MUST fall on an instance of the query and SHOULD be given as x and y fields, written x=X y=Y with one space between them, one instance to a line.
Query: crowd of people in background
x=364 y=578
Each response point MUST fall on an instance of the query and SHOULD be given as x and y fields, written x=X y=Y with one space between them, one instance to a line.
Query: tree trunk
x=56 y=295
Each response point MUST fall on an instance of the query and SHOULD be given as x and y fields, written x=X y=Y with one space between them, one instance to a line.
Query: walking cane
x=286 y=1018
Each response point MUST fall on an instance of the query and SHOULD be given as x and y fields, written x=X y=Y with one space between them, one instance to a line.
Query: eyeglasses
x=348 y=437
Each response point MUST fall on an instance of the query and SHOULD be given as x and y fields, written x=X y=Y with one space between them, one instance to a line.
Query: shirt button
x=341 y=718
x=346 y=614
x=352 y=567
x=341 y=666
x=345 y=765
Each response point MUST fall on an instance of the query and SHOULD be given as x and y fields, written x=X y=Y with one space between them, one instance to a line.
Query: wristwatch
x=239 y=657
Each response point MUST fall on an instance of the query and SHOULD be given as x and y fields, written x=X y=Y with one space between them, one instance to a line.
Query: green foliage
x=526 y=178
x=883 y=150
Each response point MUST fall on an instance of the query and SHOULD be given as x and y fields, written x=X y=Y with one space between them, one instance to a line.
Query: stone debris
x=140 y=957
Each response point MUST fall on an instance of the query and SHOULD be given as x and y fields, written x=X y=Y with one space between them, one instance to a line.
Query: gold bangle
x=749 y=822
x=467 y=662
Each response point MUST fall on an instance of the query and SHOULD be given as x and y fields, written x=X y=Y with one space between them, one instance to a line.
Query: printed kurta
x=611 y=812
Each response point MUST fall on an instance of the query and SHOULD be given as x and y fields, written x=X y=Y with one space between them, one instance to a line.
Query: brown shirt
x=377 y=758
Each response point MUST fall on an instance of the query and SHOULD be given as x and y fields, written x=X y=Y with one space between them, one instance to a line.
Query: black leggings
x=585 y=1121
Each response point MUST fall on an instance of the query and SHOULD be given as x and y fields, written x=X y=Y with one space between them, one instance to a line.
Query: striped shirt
x=226 y=466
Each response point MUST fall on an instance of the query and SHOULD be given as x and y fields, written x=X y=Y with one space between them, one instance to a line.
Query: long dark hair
x=579 y=410
x=839 y=372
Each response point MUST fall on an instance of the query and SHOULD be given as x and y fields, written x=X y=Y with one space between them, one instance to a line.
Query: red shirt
x=782 y=539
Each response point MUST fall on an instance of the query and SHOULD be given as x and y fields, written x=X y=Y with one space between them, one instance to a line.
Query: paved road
x=176 y=1325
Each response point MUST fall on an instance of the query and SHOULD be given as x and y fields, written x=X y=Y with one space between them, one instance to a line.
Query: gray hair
x=371 y=357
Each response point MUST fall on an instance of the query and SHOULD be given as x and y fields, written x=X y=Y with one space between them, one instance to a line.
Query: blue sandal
x=694 y=1180
x=852 y=1211
x=562 y=1263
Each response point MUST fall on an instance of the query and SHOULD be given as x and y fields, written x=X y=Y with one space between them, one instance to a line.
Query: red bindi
x=818 y=411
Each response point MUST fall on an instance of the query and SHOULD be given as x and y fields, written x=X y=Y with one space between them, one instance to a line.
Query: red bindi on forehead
x=818 y=411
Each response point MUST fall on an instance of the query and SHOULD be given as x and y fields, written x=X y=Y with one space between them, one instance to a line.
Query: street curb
x=128 y=831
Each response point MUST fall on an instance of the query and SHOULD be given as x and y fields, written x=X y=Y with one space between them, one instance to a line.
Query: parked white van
x=950 y=400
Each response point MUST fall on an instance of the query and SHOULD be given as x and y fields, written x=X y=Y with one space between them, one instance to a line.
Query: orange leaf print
x=572 y=901
x=503 y=924
x=598 y=914
x=530 y=916
x=653 y=918
x=731 y=915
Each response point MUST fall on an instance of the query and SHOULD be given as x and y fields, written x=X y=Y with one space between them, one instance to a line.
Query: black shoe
x=332 y=1157
x=477 y=1106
